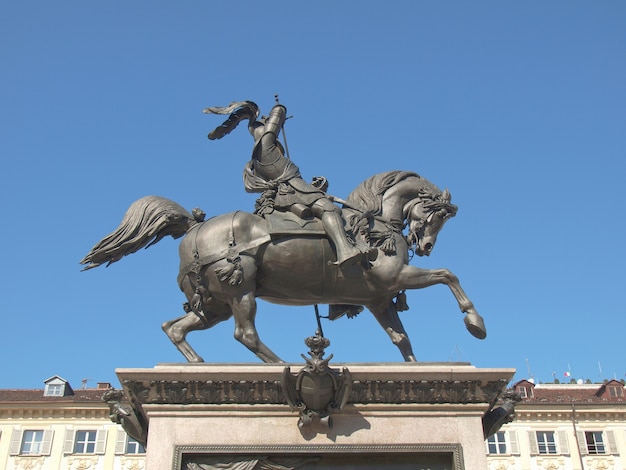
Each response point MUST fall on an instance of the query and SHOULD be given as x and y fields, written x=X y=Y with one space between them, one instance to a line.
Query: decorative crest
x=317 y=390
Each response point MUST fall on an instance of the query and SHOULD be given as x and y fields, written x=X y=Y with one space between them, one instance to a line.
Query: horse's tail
x=146 y=221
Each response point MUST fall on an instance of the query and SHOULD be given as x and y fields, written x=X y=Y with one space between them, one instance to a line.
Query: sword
x=283 y=129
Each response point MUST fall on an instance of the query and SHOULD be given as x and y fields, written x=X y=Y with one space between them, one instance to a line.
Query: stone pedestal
x=398 y=415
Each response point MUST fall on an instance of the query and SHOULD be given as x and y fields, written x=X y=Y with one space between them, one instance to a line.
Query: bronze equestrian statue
x=287 y=255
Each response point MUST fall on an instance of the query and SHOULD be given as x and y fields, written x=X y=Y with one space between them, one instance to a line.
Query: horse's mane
x=146 y=221
x=368 y=196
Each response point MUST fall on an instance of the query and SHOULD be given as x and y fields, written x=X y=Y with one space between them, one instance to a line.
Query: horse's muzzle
x=425 y=249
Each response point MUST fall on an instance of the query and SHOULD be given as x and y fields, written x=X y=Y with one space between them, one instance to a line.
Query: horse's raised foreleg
x=244 y=311
x=388 y=318
x=413 y=277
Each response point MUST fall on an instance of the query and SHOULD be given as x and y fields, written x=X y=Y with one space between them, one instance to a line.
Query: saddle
x=281 y=223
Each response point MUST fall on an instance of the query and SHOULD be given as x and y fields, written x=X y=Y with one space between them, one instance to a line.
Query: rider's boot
x=346 y=251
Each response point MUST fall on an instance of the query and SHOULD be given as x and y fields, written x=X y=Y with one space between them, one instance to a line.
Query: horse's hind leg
x=244 y=311
x=176 y=330
x=388 y=318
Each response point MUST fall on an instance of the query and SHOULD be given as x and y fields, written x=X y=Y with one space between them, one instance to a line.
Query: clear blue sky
x=519 y=108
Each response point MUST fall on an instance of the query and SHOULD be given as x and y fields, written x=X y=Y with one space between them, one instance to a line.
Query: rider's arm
x=269 y=134
x=276 y=119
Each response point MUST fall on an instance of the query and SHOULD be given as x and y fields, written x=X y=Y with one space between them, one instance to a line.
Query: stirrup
x=336 y=311
x=352 y=259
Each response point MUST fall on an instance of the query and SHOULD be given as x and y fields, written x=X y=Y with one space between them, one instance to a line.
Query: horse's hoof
x=475 y=325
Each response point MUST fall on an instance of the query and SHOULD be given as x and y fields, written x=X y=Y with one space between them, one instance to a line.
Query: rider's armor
x=288 y=189
x=270 y=164
x=268 y=156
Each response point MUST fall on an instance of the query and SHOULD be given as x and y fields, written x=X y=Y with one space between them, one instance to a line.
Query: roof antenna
x=456 y=353
x=530 y=375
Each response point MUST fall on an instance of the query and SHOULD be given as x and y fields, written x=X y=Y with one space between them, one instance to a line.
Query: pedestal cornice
x=256 y=384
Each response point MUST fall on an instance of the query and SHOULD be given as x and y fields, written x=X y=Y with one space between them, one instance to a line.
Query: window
x=595 y=443
x=31 y=442
x=57 y=387
x=134 y=447
x=127 y=445
x=503 y=442
x=549 y=442
x=88 y=441
x=54 y=390
x=524 y=392
x=546 y=443
x=497 y=443
x=616 y=391
x=85 y=442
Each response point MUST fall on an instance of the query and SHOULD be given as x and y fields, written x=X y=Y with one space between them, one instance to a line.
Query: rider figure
x=270 y=170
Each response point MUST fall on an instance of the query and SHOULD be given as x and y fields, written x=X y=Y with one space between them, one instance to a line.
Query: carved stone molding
x=255 y=392
x=600 y=463
x=504 y=463
x=534 y=416
x=29 y=463
x=83 y=463
x=133 y=463
x=184 y=454
x=69 y=413
x=551 y=463
x=217 y=392
x=424 y=391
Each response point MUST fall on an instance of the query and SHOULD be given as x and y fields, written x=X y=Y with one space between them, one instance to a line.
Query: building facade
x=557 y=427
x=61 y=428
x=563 y=427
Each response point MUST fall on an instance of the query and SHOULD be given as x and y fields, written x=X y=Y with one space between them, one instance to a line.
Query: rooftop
x=82 y=395
x=56 y=390
x=612 y=391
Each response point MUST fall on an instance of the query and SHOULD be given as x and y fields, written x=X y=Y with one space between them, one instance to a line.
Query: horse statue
x=230 y=260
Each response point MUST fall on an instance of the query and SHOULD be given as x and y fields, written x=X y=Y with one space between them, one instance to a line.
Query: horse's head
x=396 y=195
x=426 y=217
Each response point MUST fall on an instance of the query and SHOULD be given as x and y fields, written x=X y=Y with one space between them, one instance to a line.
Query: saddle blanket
x=287 y=223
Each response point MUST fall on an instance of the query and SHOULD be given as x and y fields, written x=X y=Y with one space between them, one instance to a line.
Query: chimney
x=104 y=386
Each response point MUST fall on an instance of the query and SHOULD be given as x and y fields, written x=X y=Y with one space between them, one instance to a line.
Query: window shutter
x=68 y=446
x=511 y=437
x=532 y=439
x=120 y=443
x=16 y=442
x=46 y=444
x=611 y=446
x=563 y=442
x=582 y=442
x=101 y=440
